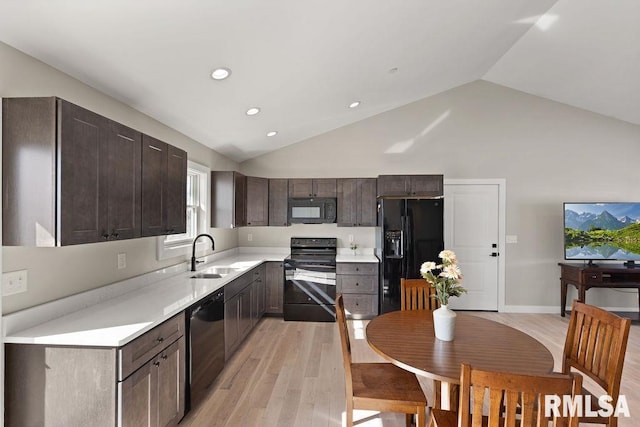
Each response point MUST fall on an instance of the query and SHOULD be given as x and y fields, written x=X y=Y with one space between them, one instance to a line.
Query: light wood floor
x=291 y=374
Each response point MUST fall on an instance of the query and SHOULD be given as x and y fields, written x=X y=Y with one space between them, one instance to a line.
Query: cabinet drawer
x=360 y=306
x=145 y=347
x=592 y=277
x=357 y=268
x=357 y=284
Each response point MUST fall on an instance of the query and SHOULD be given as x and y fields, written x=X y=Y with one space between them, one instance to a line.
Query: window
x=197 y=202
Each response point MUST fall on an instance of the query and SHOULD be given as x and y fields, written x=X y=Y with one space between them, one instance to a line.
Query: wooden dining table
x=406 y=338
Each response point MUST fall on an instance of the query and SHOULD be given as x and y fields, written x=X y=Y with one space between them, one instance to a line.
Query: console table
x=584 y=277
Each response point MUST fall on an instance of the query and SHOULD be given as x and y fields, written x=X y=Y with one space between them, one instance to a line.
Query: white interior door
x=471 y=229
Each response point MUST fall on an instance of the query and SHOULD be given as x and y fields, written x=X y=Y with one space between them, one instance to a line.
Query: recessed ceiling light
x=220 y=73
x=253 y=111
x=272 y=133
x=354 y=104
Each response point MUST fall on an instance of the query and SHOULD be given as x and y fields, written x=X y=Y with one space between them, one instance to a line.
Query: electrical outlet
x=250 y=237
x=122 y=261
x=14 y=282
x=350 y=238
x=511 y=238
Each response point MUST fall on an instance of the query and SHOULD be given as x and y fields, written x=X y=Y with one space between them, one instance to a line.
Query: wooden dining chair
x=417 y=294
x=378 y=386
x=511 y=400
x=595 y=346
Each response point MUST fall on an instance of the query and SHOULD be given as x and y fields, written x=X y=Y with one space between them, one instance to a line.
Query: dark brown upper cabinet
x=164 y=186
x=91 y=193
x=72 y=176
x=257 y=201
x=228 y=199
x=410 y=186
x=357 y=202
x=317 y=187
x=278 y=201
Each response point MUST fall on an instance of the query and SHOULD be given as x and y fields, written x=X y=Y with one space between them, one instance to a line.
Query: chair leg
x=349 y=414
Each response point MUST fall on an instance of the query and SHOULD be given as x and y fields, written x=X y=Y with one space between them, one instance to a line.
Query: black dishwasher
x=205 y=331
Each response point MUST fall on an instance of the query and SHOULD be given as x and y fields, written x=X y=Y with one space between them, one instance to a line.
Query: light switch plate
x=249 y=237
x=511 y=238
x=14 y=282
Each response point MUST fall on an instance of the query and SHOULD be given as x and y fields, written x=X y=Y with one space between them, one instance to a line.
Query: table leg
x=563 y=297
x=582 y=294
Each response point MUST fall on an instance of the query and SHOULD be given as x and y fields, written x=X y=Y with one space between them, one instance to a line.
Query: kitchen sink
x=206 y=276
x=222 y=270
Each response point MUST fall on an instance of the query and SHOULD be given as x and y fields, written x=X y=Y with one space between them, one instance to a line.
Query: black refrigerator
x=410 y=233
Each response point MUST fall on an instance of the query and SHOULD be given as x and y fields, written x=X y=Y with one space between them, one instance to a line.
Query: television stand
x=584 y=277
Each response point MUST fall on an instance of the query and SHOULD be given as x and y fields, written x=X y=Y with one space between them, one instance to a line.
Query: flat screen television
x=602 y=231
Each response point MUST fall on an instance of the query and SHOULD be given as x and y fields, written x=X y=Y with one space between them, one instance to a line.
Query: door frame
x=502 y=207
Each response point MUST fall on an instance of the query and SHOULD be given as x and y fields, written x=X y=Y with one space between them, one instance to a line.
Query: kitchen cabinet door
x=274 y=287
x=347 y=202
x=154 y=160
x=316 y=187
x=138 y=402
x=228 y=199
x=164 y=186
x=82 y=175
x=325 y=187
x=245 y=322
x=357 y=202
x=426 y=185
x=410 y=185
x=176 y=190
x=393 y=185
x=257 y=201
x=278 y=202
x=366 y=207
x=124 y=176
x=231 y=325
x=301 y=187
x=171 y=377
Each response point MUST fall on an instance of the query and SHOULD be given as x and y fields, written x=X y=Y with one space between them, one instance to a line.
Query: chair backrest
x=596 y=344
x=510 y=394
x=341 y=320
x=417 y=294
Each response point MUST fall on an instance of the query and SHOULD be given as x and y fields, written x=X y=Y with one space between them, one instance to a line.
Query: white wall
x=547 y=152
x=57 y=272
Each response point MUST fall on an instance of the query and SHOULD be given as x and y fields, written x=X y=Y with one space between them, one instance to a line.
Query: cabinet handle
x=160 y=339
x=357 y=284
x=115 y=235
x=164 y=357
x=105 y=236
x=156 y=363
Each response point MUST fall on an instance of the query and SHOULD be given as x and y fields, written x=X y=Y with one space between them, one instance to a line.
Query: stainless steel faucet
x=193 y=251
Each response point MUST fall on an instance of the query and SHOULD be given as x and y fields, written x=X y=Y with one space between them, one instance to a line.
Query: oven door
x=309 y=292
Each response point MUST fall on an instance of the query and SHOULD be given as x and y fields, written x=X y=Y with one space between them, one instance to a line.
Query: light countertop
x=116 y=321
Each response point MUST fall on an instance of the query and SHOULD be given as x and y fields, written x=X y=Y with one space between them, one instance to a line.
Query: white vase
x=444 y=323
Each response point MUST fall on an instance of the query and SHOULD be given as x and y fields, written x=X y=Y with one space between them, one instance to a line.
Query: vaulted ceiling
x=302 y=62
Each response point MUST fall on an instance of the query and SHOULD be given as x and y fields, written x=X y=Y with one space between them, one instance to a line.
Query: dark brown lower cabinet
x=274 y=287
x=139 y=384
x=154 y=394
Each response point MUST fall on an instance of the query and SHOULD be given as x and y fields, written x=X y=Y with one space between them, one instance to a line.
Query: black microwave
x=308 y=210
